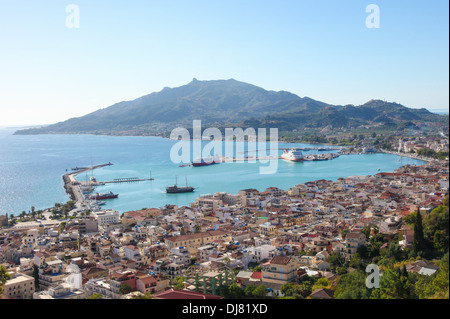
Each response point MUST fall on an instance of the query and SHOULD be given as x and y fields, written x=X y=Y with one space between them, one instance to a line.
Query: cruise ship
x=293 y=154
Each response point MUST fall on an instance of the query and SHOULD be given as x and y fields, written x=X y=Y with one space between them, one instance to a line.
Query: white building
x=106 y=217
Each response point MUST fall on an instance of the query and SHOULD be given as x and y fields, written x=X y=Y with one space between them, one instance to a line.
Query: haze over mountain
x=230 y=103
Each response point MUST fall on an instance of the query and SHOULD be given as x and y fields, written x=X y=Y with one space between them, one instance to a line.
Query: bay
x=31 y=169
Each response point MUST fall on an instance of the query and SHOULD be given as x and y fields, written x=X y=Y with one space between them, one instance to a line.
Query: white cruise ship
x=293 y=154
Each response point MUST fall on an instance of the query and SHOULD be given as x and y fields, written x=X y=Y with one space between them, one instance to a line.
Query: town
x=296 y=243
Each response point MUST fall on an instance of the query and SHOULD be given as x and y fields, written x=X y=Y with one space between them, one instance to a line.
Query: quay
x=310 y=157
x=72 y=186
x=305 y=149
x=116 y=180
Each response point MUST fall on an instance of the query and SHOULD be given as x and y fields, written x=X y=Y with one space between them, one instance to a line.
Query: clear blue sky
x=126 y=49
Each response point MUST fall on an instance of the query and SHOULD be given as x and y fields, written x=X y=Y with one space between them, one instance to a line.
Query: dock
x=310 y=157
x=128 y=180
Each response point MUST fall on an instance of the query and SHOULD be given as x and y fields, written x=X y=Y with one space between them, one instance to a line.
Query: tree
x=249 y=290
x=396 y=284
x=419 y=240
x=125 y=289
x=337 y=261
x=36 y=277
x=294 y=291
x=435 y=286
x=366 y=231
x=321 y=283
x=4 y=277
x=352 y=286
x=260 y=292
x=235 y=292
x=95 y=296
x=178 y=282
x=436 y=229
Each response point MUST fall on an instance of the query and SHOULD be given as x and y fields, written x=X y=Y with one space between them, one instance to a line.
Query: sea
x=32 y=166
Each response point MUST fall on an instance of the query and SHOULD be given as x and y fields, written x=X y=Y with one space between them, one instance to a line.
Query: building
x=87 y=225
x=20 y=286
x=193 y=241
x=280 y=270
x=4 y=220
x=105 y=217
x=62 y=291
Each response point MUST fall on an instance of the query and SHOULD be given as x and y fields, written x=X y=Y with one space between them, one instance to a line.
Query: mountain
x=228 y=102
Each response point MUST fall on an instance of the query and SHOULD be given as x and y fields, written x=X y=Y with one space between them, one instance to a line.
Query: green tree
x=366 y=231
x=419 y=240
x=125 y=289
x=337 y=261
x=4 y=277
x=95 y=296
x=260 y=292
x=294 y=291
x=436 y=229
x=178 y=282
x=36 y=277
x=352 y=286
x=321 y=283
x=249 y=290
x=235 y=292
x=396 y=284
x=435 y=286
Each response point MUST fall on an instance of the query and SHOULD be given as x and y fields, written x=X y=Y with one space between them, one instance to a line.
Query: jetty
x=309 y=157
x=72 y=186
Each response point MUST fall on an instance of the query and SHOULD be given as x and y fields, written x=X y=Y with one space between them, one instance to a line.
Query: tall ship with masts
x=179 y=189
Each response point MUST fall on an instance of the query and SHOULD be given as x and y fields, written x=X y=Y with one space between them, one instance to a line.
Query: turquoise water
x=31 y=169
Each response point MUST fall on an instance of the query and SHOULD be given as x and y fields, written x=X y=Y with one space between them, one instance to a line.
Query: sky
x=57 y=62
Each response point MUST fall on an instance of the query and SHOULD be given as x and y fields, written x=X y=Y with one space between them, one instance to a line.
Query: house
x=322 y=293
x=323 y=265
x=280 y=269
x=193 y=241
x=20 y=286
x=407 y=239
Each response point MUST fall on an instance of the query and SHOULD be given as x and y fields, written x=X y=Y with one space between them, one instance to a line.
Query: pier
x=72 y=186
x=309 y=157
x=128 y=180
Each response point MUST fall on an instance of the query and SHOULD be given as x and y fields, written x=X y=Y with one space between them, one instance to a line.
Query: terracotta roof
x=280 y=260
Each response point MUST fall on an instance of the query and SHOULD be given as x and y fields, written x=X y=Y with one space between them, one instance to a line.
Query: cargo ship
x=179 y=189
x=293 y=154
x=109 y=195
x=206 y=161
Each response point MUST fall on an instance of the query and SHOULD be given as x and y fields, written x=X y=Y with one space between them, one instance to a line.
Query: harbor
x=79 y=190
